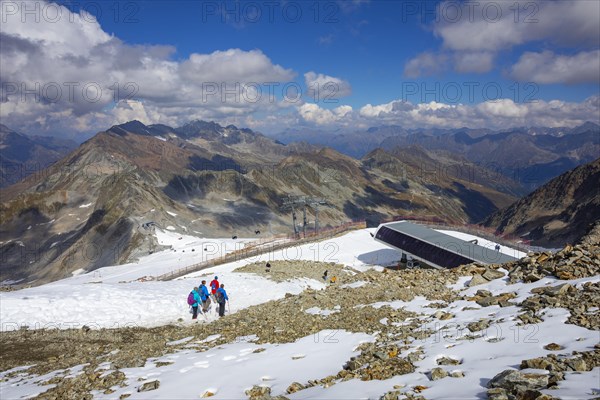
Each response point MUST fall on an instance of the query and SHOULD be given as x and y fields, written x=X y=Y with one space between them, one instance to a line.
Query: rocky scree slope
x=285 y=320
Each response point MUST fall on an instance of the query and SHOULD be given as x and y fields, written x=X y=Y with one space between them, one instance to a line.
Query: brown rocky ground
x=285 y=320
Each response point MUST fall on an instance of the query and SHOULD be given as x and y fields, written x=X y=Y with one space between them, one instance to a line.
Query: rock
x=538 y=363
x=457 y=374
x=487 y=301
x=577 y=364
x=497 y=394
x=566 y=276
x=438 y=373
x=448 y=361
x=479 y=325
x=516 y=381
x=391 y=395
x=531 y=278
x=443 y=315
x=208 y=393
x=558 y=290
x=294 y=387
x=477 y=280
x=553 y=347
x=420 y=388
x=352 y=365
x=491 y=274
x=380 y=355
x=149 y=385
x=258 y=392
x=483 y=293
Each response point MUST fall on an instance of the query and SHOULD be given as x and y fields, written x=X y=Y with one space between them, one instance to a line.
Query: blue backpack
x=220 y=297
x=191 y=300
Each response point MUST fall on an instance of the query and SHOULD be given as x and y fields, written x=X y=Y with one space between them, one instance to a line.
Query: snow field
x=112 y=297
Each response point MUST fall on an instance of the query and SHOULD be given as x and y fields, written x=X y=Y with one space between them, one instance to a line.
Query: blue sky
x=418 y=63
x=367 y=43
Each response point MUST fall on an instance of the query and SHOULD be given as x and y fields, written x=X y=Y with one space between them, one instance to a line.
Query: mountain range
x=530 y=156
x=93 y=207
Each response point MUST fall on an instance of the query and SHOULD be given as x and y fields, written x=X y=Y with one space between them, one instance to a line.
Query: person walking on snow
x=221 y=299
x=197 y=302
x=204 y=296
x=214 y=285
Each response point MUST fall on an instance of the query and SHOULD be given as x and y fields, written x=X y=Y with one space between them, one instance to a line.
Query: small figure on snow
x=325 y=276
x=221 y=299
x=268 y=267
x=214 y=285
x=497 y=247
x=205 y=297
x=194 y=299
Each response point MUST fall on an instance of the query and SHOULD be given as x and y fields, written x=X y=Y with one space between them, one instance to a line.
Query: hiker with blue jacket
x=197 y=300
x=221 y=299
x=204 y=296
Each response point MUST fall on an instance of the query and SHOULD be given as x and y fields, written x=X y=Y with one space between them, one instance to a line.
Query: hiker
x=221 y=299
x=498 y=247
x=268 y=267
x=205 y=297
x=325 y=276
x=196 y=299
x=214 y=285
x=333 y=279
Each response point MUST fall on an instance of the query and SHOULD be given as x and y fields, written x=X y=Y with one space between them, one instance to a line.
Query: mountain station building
x=434 y=248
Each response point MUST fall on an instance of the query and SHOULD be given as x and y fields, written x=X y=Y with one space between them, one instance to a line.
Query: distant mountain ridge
x=210 y=181
x=562 y=211
x=531 y=156
x=22 y=155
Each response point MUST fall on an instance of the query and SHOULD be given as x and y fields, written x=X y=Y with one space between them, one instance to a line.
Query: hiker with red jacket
x=214 y=285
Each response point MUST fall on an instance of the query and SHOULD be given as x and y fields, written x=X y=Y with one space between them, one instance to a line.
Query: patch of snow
x=277 y=366
x=180 y=341
x=318 y=311
x=171 y=213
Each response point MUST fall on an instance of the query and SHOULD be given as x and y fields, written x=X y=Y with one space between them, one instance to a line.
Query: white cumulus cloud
x=321 y=87
x=548 y=67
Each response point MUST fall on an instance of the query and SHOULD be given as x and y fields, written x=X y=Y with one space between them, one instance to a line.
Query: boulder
x=477 y=280
x=491 y=274
x=149 y=385
x=438 y=373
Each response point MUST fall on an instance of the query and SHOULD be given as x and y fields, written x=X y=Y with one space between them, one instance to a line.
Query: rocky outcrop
x=513 y=384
